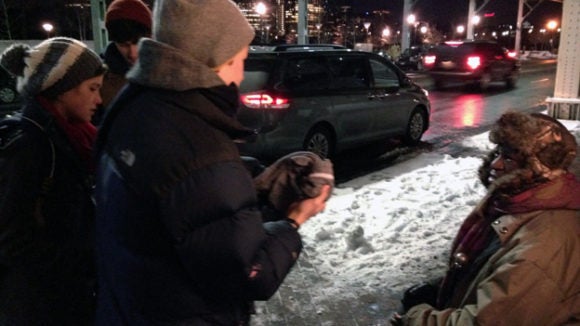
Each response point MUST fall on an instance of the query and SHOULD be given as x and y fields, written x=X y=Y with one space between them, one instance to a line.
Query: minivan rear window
x=256 y=74
x=305 y=74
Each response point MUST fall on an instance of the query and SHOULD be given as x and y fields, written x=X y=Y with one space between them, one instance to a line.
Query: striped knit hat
x=52 y=67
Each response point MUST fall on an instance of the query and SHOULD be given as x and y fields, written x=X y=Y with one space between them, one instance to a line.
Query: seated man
x=516 y=257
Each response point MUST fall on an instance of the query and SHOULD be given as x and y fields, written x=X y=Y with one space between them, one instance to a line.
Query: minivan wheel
x=7 y=95
x=511 y=80
x=415 y=127
x=320 y=141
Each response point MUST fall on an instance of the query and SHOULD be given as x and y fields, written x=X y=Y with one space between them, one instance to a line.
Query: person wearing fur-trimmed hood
x=516 y=257
x=180 y=237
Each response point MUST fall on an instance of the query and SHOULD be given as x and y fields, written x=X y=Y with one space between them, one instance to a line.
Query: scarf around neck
x=81 y=135
x=476 y=233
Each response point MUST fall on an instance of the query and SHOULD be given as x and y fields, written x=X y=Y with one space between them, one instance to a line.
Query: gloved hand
x=420 y=293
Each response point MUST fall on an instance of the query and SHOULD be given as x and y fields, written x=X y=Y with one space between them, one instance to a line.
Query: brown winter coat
x=531 y=280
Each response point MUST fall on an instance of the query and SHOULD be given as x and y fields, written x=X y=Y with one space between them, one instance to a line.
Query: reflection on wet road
x=457 y=108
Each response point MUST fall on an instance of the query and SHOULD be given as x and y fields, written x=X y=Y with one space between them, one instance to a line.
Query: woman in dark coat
x=47 y=269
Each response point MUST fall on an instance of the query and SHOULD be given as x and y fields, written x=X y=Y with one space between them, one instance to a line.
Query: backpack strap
x=52 y=148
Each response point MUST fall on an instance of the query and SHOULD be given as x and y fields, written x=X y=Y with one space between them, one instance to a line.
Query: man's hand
x=303 y=210
x=396 y=320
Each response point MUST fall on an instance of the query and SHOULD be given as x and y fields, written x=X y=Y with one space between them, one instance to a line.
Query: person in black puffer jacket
x=180 y=237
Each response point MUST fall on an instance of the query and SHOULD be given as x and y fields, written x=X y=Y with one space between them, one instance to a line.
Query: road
x=457 y=109
x=457 y=112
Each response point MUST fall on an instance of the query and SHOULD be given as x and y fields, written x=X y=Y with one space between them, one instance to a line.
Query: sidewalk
x=295 y=305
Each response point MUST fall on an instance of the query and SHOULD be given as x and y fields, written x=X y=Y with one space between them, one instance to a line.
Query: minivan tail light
x=474 y=62
x=264 y=101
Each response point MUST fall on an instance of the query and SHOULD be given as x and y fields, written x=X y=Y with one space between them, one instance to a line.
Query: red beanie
x=134 y=10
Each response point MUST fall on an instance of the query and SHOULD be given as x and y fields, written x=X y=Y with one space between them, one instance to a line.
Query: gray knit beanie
x=52 y=67
x=211 y=31
x=294 y=177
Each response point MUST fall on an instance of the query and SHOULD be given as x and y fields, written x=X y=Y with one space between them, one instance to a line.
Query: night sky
x=453 y=12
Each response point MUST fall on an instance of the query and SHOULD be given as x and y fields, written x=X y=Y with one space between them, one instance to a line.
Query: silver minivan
x=327 y=101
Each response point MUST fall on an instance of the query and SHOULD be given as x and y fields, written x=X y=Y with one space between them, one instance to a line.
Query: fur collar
x=163 y=66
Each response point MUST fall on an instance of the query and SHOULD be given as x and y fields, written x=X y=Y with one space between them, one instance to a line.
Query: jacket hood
x=163 y=66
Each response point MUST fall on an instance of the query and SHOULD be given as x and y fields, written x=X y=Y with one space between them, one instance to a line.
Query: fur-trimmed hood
x=547 y=146
x=163 y=66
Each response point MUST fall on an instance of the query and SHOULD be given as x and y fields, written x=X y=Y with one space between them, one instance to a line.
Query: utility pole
x=566 y=101
x=98 y=9
x=405 y=33
x=470 y=15
x=302 y=21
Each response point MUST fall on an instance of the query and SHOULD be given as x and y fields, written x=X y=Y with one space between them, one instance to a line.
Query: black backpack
x=11 y=130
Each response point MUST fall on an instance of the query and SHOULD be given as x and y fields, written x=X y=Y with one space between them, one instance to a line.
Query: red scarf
x=81 y=135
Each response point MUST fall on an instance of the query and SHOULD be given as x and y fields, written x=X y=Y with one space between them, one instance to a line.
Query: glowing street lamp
x=411 y=20
x=261 y=10
x=318 y=27
x=552 y=25
x=47 y=27
x=367 y=25
x=386 y=32
x=460 y=29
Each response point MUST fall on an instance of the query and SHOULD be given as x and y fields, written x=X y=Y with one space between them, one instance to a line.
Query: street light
x=386 y=32
x=367 y=25
x=318 y=27
x=475 y=20
x=47 y=27
x=261 y=10
x=552 y=25
x=460 y=29
x=411 y=19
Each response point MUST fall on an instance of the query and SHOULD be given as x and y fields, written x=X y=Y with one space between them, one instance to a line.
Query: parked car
x=412 y=58
x=471 y=62
x=327 y=101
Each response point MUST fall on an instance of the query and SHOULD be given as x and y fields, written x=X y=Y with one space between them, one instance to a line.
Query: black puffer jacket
x=180 y=240
x=47 y=270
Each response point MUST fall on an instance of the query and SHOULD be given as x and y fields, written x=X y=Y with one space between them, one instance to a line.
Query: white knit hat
x=211 y=31
x=52 y=67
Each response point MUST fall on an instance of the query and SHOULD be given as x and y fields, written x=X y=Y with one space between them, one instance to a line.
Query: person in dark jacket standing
x=47 y=261
x=516 y=257
x=126 y=22
x=180 y=237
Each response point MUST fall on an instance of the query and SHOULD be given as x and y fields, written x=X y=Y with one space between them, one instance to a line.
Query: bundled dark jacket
x=47 y=270
x=113 y=80
x=180 y=240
